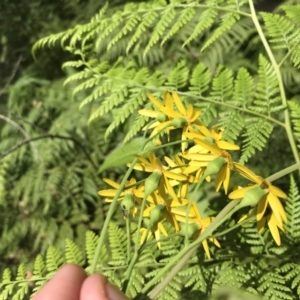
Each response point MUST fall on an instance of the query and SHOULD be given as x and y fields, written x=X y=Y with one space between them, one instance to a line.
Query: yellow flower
x=189 y=115
x=269 y=200
x=162 y=119
x=202 y=223
x=170 y=211
x=219 y=160
x=155 y=165
x=213 y=137
x=178 y=166
x=129 y=189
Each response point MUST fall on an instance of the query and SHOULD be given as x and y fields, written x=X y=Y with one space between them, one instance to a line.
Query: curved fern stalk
x=280 y=83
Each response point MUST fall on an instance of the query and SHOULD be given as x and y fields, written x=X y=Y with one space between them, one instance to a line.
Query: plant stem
x=183 y=256
x=110 y=213
x=267 y=47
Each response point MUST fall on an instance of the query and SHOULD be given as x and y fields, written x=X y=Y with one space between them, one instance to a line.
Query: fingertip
x=64 y=285
x=97 y=287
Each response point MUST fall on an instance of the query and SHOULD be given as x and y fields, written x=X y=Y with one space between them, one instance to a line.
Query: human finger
x=97 y=287
x=65 y=285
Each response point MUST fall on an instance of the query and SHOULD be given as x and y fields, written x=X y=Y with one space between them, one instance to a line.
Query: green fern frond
x=281 y=31
x=184 y=17
x=72 y=253
x=267 y=90
x=166 y=18
x=231 y=275
x=255 y=137
x=200 y=80
x=293 y=212
x=273 y=286
x=53 y=259
x=222 y=86
x=118 y=242
x=178 y=76
x=206 y=20
x=292 y=272
x=295 y=116
x=227 y=21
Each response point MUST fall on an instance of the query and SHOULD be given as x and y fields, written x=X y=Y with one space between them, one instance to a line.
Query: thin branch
x=52 y=136
x=25 y=134
x=12 y=75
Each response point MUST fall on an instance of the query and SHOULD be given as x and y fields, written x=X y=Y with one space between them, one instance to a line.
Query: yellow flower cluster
x=166 y=189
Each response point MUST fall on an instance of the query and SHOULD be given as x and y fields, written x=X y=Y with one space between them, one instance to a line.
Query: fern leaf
x=273 y=286
x=233 y=123
x=53 y=259
x=178 y=76
x=243 y=88
x=267 y=91
x=118 y=242
x=145 y=23
x=255 y=138
x=165 y=19
x=200 y=80
x=72 y=253
x=295 y=115
x=228 y=20
x=293 y=212
x=206 y=19
x=185 y=16
x=130 y=24
x=292 y=271
x=222 y=86
x=280 y=29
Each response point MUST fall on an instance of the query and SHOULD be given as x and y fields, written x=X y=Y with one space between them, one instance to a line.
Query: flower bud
x=161 y=118
x=127 y=204
x=157 y=214
x=214 y=166
x=188 y=229
x=209 y=139
x=152 y=182
x=178 y=122
x=253 y=196
x=146 y=223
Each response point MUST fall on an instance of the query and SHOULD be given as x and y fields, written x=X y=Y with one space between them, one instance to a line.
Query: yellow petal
x=277 y=208
x=227 y=146
x=168 y=100
x=206 y=249
x=261 y=224
x=107 y=193
x=274 y=229
x=195 y=115
x=261 y=208
x=277 y=192
x=179 y=104
x=111 y=183
x=245 y=172
x=239 y=193
x=154 y=101
x=170 y=113
x=162 y=229
x=172 y=175
x=141 y=167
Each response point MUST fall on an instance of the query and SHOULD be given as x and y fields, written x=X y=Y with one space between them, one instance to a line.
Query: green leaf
x=122 y=155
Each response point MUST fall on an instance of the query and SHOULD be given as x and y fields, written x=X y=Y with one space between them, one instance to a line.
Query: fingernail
x=113 y=293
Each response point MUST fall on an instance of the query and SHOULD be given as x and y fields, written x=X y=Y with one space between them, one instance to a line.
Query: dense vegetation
x=75 y=75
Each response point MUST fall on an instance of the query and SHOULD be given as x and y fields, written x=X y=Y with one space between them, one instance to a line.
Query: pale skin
x=72 y=283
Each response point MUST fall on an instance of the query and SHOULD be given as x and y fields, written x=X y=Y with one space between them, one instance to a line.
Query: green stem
x=108 y=218
x=128 y=239
x=184 y=255
x=276 y=68
x=284 y=172
x=191 y=200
